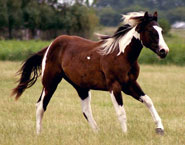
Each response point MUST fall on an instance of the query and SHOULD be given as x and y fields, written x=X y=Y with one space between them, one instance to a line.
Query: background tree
x=108 y=16
x=172 y=10
x=14 y=15
x=3 y=14
x=176 y=14
x=31 y=16
x=83 y=20
x=165 y=25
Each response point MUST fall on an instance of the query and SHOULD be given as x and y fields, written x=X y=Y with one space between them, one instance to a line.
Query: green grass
x=64 y=124
x=20 y=50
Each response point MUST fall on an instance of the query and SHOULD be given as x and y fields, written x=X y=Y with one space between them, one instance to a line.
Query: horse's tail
x=29 y=73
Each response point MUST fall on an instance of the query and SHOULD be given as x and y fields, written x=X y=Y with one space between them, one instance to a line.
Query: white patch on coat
x=88 y=57
x=39 y=113
x=111 y=44
x=162 y=44
x=148 y=102
x=44 y=60
x=86 y=109
x=120 y=111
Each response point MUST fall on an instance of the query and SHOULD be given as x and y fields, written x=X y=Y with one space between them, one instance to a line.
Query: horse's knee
x=146 y=99
x=115 y=90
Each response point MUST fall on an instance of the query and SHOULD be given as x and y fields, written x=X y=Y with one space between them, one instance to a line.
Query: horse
x=109 y=64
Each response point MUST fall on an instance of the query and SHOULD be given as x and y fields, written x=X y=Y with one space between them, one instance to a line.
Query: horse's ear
x=155 y=16
x=140 y=27
x=146 y=16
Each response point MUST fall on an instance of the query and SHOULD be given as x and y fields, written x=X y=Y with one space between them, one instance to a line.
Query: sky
x=71 y=1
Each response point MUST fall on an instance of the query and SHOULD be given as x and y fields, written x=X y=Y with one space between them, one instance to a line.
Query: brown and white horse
x=109 y=65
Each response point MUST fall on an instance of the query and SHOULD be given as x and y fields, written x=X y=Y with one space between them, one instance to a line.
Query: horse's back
x=77 y=42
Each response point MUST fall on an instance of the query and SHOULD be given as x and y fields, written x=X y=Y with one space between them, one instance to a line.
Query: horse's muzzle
x=162 y=53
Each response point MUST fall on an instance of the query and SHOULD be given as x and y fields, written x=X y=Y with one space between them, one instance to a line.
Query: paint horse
x=109 y=64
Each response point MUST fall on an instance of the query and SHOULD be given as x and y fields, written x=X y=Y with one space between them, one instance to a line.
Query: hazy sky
x=71 y=1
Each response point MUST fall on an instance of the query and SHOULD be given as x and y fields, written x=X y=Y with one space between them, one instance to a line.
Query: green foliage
x=10 y=15
x=31 y=15
x=165 y=25
x=20 y=50
x=151 y=4
x=3 y=14
x=82 y=20
x=48 y=15
x=176 y=14
x=108 y=16
x=172 y=10
x=133 y=8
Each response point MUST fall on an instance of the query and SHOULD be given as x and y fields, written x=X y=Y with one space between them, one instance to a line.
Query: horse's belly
x=90 y=80
x=86 y=74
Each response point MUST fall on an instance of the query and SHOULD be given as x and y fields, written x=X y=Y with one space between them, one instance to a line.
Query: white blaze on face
x=162 y=43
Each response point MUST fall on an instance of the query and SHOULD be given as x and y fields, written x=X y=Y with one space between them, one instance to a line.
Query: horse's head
x=151 y=35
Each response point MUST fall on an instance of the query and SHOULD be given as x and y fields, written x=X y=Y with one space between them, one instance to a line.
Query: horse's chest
x=122 y=73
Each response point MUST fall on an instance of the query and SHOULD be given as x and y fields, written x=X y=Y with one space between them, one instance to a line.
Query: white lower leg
x=86 y=109
x=39 y=114
x=148 y=102
x=120 y=110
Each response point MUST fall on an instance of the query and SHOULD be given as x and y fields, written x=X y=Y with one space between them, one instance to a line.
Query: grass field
x=20 y=50
x=16 y=50
x=64 y=124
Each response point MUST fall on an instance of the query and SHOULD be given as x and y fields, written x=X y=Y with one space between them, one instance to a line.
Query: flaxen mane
x=123 y=35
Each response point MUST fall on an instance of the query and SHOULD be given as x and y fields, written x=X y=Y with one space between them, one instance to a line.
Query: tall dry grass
x=64 y=124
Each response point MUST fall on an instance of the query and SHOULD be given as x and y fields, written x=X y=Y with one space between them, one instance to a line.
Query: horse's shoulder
x=134 y=71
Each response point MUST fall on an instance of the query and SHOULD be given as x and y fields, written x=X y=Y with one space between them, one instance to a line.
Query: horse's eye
x=153 y=34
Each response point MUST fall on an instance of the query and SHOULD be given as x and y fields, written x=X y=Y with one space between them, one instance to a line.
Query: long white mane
x=122 y=41
x=129 y=18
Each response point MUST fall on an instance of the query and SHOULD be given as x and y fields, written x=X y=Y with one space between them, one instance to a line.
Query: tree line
x=44 y=15
x=79 y=17
x=169 y=10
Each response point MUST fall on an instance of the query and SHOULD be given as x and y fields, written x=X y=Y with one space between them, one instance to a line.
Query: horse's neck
x=134 y=50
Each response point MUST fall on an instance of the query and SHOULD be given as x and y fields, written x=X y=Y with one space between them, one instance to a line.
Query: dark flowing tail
x=29 y=73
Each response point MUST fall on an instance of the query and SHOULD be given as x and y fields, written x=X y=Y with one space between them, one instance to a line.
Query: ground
x=64 y=124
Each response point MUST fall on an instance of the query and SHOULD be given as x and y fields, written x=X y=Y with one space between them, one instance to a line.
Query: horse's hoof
x=96 y=130
x=159 y=131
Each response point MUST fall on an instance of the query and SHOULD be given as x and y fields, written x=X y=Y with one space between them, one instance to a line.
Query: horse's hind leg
x=49 y=87
x=85 y=96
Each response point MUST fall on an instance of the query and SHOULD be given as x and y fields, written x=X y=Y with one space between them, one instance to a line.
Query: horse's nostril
x=162 y=51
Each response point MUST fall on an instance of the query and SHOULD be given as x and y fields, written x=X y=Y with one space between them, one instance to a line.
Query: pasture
x=16 y=50
x=64 y=124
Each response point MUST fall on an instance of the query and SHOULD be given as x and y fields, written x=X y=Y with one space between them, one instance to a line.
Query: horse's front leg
x=135 y=91
x=116 y=97
x=85 y=96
